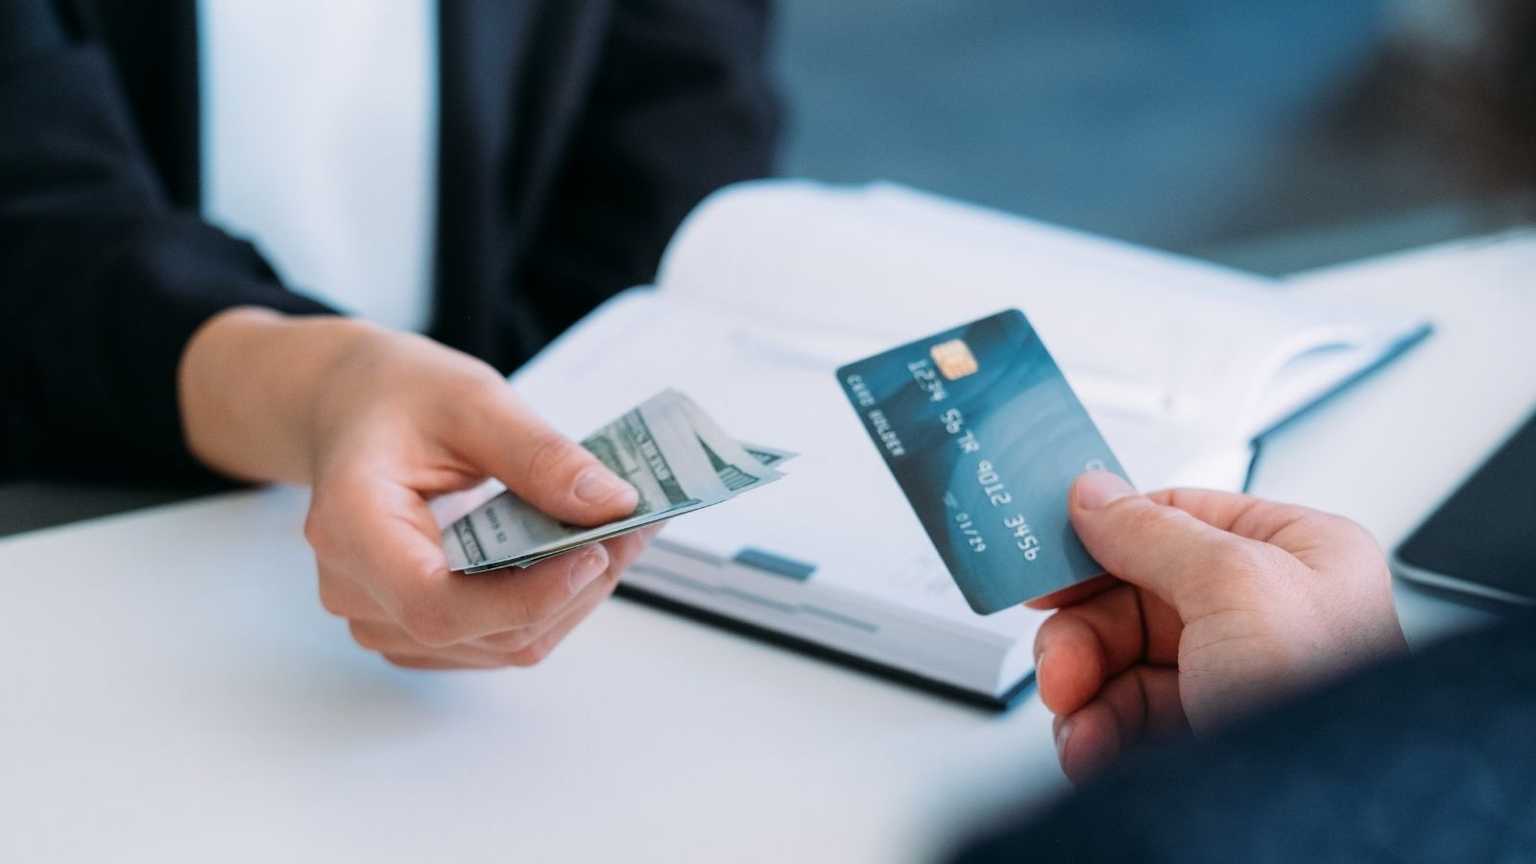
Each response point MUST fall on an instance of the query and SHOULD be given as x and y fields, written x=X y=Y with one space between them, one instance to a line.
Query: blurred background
x=1270 y=136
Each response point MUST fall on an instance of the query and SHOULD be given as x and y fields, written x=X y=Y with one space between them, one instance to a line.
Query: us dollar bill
x=677 y=458
x=769 y=456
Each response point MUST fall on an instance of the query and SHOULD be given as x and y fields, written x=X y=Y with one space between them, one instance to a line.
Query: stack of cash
x=667 y=448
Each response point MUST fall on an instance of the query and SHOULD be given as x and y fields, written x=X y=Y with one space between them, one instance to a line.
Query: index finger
x=544 y=468
x=1296 y=529
x=1093 y=641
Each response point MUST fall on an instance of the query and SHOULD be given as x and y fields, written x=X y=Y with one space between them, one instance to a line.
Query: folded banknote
x=676 y=457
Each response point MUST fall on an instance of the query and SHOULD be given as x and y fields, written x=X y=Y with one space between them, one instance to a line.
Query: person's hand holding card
x=1206 y=603
x=1224 y=602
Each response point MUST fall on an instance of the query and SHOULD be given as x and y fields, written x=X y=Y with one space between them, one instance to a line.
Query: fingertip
x=1086 y=742
x=1096 y=490
x=588 y=563
x=1069 y=666
x=598 y=487
x=597 y=554
x=1047 y=682
x=1089 y=523
x=1064 y=687
x=1061 y=733
x=625 y=548
x=554 y=474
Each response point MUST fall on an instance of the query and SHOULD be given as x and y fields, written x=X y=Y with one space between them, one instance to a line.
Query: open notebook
x=769 y=286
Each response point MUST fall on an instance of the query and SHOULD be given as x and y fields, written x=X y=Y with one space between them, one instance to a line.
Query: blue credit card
x=985 y=436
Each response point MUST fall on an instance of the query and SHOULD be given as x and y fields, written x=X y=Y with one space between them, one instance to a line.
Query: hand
x=1224 y=602
x=378 y=422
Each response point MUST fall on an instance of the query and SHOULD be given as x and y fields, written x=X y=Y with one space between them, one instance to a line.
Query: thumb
x=1153 y=546
x=539 y=465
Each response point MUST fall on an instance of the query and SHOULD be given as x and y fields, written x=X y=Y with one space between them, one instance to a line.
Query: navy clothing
x=1429 y=758
x=574 y=136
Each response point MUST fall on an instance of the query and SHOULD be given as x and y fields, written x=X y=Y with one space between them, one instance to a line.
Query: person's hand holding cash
x=380 y=422
x=377 y=422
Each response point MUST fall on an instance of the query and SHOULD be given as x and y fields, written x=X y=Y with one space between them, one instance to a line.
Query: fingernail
x=1098 y=489
x=588 y=567
x=598 y=485
x=1062 y=734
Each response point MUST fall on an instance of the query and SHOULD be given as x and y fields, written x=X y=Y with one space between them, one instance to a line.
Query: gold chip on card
x=954 y=359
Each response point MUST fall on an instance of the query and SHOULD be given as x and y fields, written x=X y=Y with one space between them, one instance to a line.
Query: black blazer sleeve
x=682 y=104
x=102 y=280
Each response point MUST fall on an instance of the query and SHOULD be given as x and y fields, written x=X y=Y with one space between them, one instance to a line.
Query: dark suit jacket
x=1429 y=758
x=575 y=135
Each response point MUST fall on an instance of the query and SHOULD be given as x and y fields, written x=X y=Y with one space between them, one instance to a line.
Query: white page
x=893 y=265
x=1138 y=333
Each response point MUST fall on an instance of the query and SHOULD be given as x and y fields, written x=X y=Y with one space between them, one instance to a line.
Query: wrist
x=251 y=383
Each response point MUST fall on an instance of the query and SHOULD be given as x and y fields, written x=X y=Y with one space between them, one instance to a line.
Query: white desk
x=173 y=690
